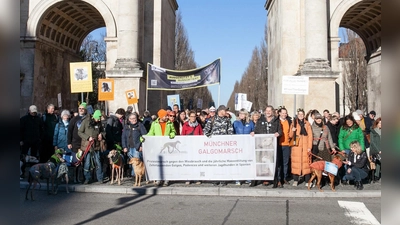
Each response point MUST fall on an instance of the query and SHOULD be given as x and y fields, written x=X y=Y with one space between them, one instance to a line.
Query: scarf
x=195 y=124
x=303 y=130
x=318 y=124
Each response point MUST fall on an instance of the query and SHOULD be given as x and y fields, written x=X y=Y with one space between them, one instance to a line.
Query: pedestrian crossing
x=358 y=213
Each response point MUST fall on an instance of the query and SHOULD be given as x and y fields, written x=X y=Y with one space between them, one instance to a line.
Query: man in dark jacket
x=73 y=139
x=50 y=120
x=31 y=134
x=114 y=128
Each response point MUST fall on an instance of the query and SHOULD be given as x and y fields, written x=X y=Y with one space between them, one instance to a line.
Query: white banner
x=240 y=101
x=224 y=157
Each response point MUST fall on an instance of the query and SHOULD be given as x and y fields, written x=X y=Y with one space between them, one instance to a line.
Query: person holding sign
x=301 y=150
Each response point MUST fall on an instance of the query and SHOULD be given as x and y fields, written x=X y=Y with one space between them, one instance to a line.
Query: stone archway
x=52 y=31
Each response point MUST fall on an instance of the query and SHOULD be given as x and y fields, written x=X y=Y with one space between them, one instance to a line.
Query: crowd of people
x=302 y=139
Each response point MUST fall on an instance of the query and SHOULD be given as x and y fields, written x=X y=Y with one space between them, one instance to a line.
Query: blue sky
x=226 y=29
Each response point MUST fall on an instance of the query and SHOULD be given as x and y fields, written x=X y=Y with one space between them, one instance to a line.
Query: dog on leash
x=317 y=168
x=46 y=171
x=138 y=167
x=117 y=165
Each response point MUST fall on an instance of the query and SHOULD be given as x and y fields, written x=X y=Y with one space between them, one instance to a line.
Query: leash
x=84 y=153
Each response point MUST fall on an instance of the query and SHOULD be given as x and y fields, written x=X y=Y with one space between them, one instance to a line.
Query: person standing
x=375 y=147
x=219 y=125
x=300 y=157
x=91 y=130
x=192 y=127
x=322 y=139
x=50 y=120
x=162 y=126
x=61 y=132
x=243 y=126
x=132 y=138
x=31 y=134
x=284 y=149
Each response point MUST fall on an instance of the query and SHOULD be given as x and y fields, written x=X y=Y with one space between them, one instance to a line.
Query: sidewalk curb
x=212 y=191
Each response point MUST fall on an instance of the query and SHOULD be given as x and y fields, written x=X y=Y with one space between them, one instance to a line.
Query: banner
x=297 y=85
x=81 y=77
x=163 y=79
x=224 y=157
x=240 y=101
x=131 y=97
x=172 y=100
x=106 y=89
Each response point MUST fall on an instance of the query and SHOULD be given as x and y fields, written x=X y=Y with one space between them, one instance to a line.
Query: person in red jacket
x=192 y=127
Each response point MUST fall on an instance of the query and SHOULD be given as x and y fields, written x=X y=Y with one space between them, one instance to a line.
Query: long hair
x=246 y=113
x=376 y=123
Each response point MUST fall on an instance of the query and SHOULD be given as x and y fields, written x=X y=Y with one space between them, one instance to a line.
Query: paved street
x=100 y=208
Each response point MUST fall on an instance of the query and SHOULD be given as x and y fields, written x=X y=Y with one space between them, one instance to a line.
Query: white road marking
x=358 y=213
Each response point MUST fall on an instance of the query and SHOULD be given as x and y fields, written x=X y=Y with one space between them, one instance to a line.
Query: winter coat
x=360 y=161
x=218 y=126
x=90 y=128
x=49 y=121
x=264 y=127
x=155 y=129
x=326 y=138
x=147 y=122
x=31 y=128
x=131 y=135
x=346 y=136
x=299 y=155
x=240 y=127
x=375 y=146
x=72 y=135
x=334 y=129
x=60 y=135
x=188 y=130
x=113 y=131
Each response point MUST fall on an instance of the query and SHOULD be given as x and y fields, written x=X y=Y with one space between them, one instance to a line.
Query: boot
x=360 y=185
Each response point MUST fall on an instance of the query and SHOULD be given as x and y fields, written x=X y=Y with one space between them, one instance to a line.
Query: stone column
x=316 y=29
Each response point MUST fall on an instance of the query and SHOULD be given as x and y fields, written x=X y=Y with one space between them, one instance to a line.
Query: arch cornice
x=338 y=14
x=41 y=8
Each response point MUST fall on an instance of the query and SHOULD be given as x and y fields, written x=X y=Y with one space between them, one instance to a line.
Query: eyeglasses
x=171 y=116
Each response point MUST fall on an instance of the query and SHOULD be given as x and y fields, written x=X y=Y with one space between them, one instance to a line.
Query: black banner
x=163 y=79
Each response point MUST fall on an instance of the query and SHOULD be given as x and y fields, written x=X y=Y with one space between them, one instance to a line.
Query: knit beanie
x=161 y=113
x=65 y=112
x=97 y=115
x=83 y=105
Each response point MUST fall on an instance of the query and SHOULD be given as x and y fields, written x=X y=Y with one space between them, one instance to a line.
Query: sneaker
x=238 y=183
x=187 y=182
x=324 y=174
x=198 y=182
x=157 y=183
x=165 y=183
x=312 y=185
x=295 y=183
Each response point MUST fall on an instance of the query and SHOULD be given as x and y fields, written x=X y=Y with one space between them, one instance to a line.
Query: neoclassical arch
x=361 y=16
x=36 y=16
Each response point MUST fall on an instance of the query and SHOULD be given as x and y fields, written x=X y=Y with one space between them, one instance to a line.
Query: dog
x=117 y=165
x=317 y=168
x=46 y=171
x=138 y=167
x=172 y=145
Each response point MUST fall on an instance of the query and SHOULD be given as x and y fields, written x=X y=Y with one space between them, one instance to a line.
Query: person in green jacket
x=349 y=132
x=162 y=127
x=91 y=129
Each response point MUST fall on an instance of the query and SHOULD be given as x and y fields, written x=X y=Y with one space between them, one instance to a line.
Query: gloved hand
x=142 y=139
x=171 y=135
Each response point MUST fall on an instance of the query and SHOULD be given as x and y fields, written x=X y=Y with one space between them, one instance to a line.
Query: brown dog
x=117 y=165
x=138 y=167
x=317 y=168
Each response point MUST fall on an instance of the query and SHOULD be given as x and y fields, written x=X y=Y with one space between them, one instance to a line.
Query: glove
x=171 y=135
x=142 y=139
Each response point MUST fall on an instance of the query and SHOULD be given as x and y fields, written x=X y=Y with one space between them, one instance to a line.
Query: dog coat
x=319 y=165
x=42 y=170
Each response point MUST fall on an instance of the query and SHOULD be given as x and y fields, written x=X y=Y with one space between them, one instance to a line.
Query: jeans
x=356 y=174
x=132 y=153
x=286 y=157
x=97 y=166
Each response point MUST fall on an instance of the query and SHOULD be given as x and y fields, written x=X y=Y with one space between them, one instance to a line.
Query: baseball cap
x=359 y=112
x=32 y=108
x=356 y=116
x=212 y=109
x=318 y=116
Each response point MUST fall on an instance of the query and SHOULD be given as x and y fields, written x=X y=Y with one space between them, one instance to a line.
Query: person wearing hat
x=31 y=134
x=92 y=130
x=219 y=125
x=162 y=126
x=369 y=121
x=211 y=112
x=322 y=139
x=61 y=132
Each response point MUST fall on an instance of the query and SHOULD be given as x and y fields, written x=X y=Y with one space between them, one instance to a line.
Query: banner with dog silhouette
x=163 y=79
x=224 y=157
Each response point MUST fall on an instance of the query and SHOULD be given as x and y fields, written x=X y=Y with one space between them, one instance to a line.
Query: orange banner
x=131 y=96
x=106 y=89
